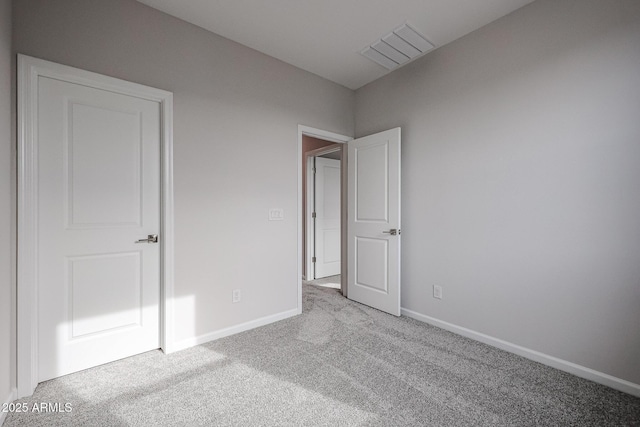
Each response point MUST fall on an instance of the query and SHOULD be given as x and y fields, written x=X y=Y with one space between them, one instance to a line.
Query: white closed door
x=98 y=192
x=374 y=220
x=327 y=224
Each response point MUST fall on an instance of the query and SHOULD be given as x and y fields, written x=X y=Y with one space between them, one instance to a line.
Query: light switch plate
x=276 y=214
x=437 y=291
x=236 y=296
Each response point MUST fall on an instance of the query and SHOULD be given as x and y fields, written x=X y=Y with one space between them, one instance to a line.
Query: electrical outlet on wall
x=437 y=291
x=236 y=295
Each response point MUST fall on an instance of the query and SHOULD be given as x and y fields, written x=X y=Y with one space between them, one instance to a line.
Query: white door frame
x=327 y=136
x=29 y=70
x=310 y=237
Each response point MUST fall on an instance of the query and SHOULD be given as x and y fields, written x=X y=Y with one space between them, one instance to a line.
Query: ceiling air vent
x=401 y=45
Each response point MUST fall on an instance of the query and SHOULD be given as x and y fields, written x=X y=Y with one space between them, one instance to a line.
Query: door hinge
x=313 y=214
x=313 y=259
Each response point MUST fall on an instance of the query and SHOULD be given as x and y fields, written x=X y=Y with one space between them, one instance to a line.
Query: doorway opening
x=322 y=213
x=321 y=236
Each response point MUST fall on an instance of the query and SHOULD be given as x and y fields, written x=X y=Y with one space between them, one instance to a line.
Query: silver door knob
x=151 y=238
x=393 y=232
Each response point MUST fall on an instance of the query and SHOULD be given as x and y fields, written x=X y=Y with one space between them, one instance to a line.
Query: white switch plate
x=236 y=295
x=437 y=291
x=276 y=214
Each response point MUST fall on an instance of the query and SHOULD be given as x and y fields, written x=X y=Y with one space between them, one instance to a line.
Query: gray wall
x=6 y=252
x=235 y=144
x=521 y=175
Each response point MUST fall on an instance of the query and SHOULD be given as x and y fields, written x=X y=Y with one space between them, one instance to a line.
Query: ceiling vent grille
x=398 y=47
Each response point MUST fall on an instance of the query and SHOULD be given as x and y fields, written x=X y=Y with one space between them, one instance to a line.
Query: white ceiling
x=325 y=37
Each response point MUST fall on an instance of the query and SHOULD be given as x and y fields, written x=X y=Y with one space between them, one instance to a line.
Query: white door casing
x=373 y=214
x=327 y=221
x=95 y=175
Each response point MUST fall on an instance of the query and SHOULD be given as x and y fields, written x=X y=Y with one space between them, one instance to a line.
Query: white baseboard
x=13 y=395
x=545 y=359
x=211 y=336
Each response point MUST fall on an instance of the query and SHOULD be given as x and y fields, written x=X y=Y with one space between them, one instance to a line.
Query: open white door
x=327 y=224
x=374 y=221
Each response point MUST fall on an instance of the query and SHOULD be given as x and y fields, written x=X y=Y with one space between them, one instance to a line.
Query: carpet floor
x=337 y=364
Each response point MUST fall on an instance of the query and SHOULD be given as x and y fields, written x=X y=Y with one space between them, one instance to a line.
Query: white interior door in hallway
x=374 y=220
x=327 y=220
x=98 y=170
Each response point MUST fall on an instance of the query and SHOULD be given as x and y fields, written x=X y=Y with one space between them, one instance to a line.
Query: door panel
x=106 y=302
x=372 y=258
x=374 y=210
x=99 y=192
x=327 y=224
x=371 y=168
x=102 y=141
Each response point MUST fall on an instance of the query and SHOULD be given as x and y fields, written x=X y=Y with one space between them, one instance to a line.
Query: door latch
x=393 y=232
x=151 y=238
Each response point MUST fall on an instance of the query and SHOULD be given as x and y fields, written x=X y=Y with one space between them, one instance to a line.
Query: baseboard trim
x=232 y=330
x=563 y=365
x=13 y=395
